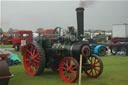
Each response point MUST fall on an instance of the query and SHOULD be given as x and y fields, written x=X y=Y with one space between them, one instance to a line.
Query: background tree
x=1 y=31
x=10 y=31
x=38 y=30
x=15 y=30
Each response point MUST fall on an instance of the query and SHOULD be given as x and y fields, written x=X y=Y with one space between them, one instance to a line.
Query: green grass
x=5 y=46
x=115 y=72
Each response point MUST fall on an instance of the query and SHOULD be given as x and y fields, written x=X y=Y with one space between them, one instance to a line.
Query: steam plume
x=86 y=3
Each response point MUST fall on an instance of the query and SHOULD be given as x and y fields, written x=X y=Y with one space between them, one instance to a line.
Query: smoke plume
x=86 y=3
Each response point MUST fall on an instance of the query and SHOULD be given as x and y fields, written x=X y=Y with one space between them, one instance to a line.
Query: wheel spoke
x=97 y=70
x=27 y=60
x=74 y=71
x=34 y=64
x=74 y=74
x=36 y=55
x=66 y=74
x=32 y=47
x=66 y=63
x=91 y=59
x=37 y=66
x=89 y=72
x=71 y=63
x=97 y=62
x=92 y=71
x=34 y=52
x=70 y=76
x=29 y=52
x=33 y=69
x=64 y=71
x=64 y=68
x=36 y=61
x=29 y=68
x=73 y=67
x=97 y=65
x=28 y=55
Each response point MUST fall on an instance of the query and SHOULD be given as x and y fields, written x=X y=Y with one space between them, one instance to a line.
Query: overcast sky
x=49 y=14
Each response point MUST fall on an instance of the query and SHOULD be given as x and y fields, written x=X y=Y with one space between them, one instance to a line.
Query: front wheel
x=97 y=66
x=69 y=69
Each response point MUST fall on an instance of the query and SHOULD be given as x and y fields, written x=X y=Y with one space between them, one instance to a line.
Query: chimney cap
x=80 y=9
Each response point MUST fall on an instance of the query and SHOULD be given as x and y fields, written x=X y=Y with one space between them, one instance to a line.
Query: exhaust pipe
x=80 y=22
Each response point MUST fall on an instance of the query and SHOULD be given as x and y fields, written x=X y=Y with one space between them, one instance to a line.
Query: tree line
x=10 y=31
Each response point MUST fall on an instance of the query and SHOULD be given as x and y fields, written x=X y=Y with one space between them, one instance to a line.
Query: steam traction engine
x=61 y=52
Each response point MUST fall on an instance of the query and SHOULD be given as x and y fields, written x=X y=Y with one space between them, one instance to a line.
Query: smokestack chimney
x=80 y=22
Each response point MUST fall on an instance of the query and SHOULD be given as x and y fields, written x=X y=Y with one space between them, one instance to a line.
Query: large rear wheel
x=69 y=69
x=34 y=59
x=97 y=66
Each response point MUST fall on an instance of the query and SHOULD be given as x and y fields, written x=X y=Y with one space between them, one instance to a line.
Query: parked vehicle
x=35 y=36
x=20 y=38
x=61 y=52
x=5 y=38
x=120 y=46
x=98 y=49
x=119 y=39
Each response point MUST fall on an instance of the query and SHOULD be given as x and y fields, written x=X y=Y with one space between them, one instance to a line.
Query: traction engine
x=61 y=52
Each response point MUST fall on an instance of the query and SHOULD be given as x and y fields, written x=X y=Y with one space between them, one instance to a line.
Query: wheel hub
x=67 y=70
x=93 y=66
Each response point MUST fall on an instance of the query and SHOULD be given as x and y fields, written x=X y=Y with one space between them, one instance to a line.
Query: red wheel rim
x=31 y=59
x=97 y=66
x=68 y=69
x=87 y=51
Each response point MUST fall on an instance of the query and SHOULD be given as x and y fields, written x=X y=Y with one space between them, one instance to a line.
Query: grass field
x=5 y=46
x=115 y=72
